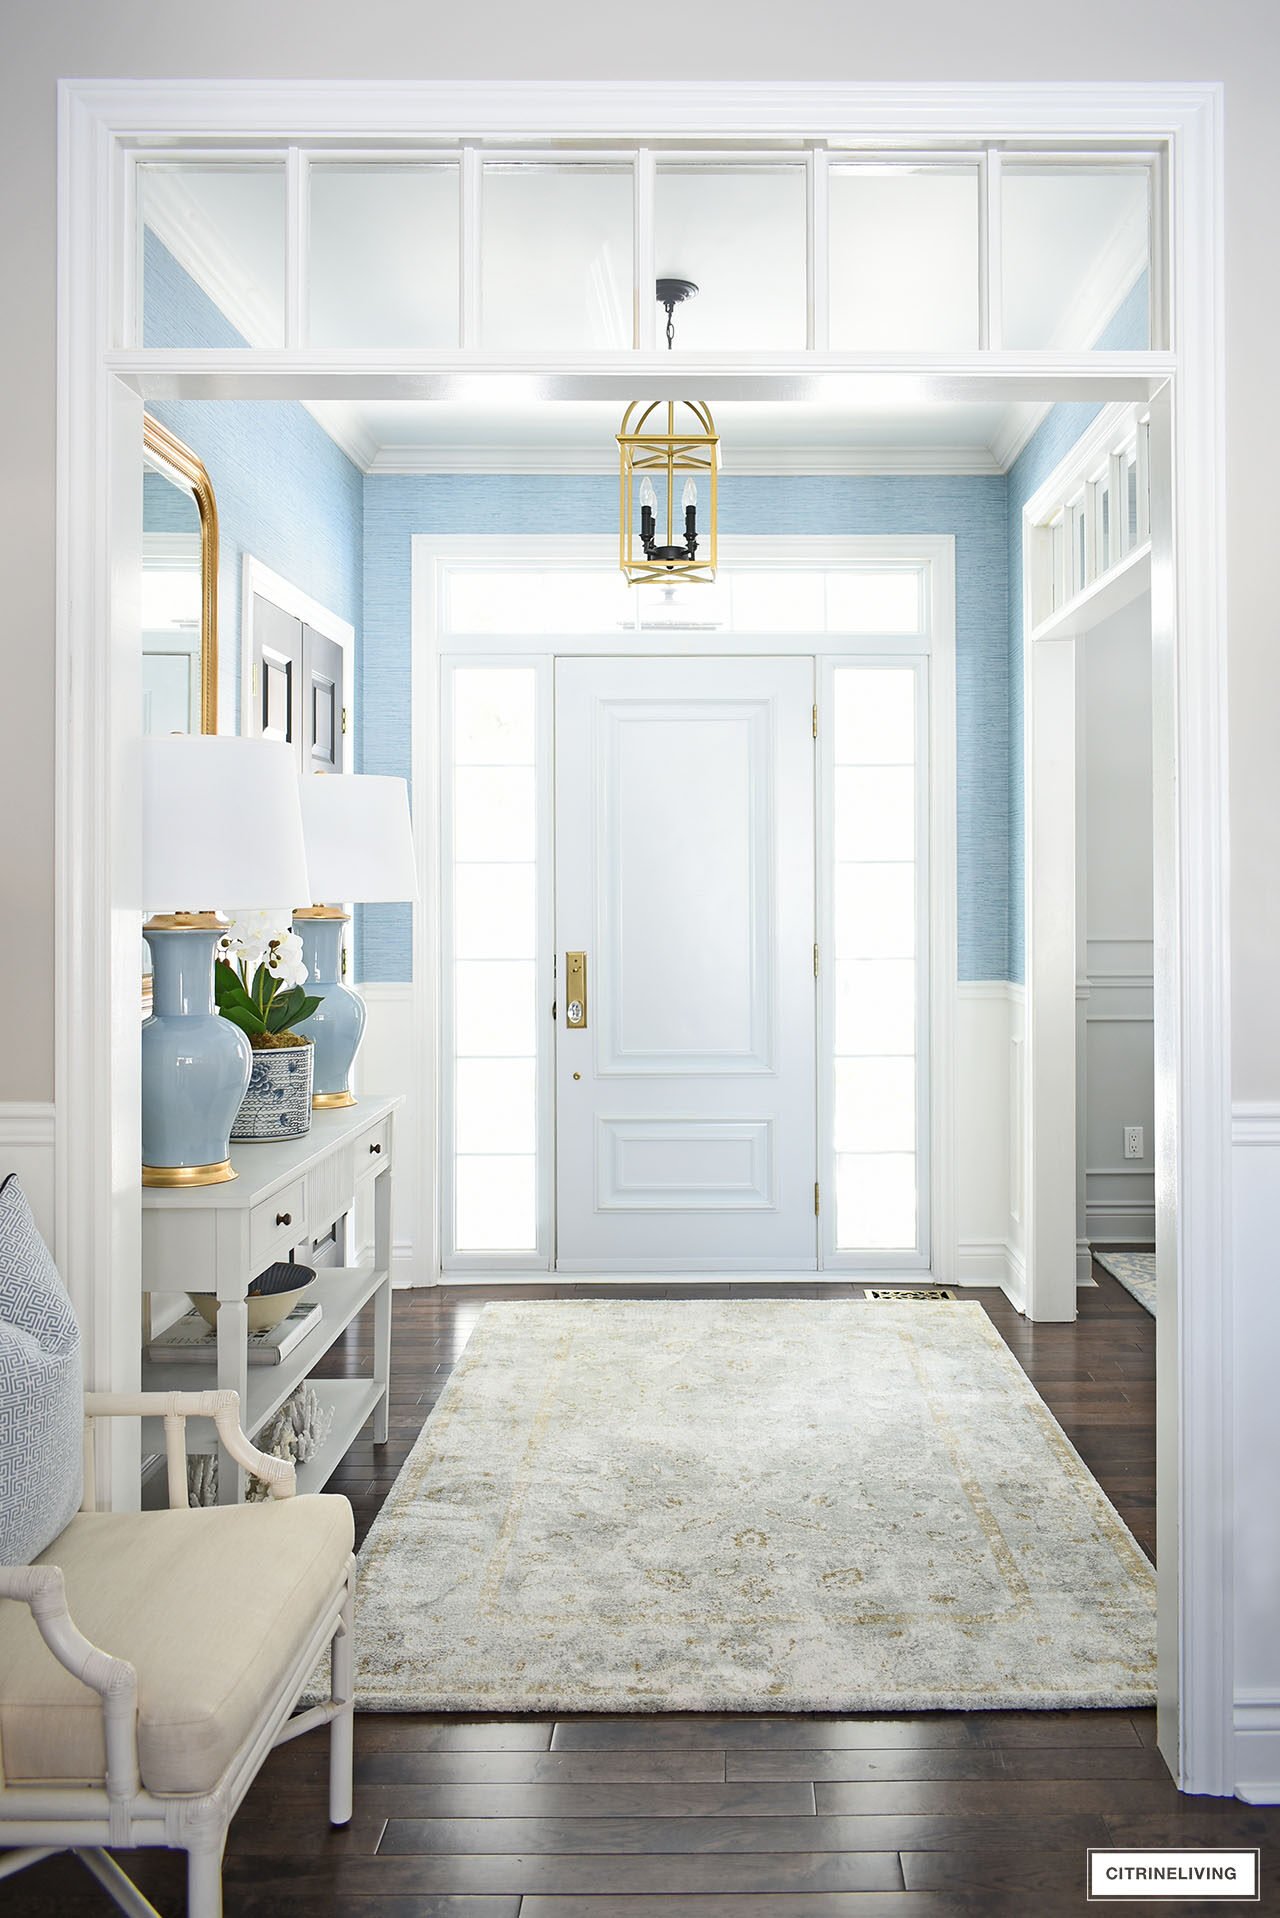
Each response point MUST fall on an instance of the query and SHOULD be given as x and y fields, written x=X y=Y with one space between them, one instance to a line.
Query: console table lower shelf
x=341 y=1292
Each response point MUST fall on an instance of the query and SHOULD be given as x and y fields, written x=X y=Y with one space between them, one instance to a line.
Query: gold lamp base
x=330 y=1101
x=183 y=1175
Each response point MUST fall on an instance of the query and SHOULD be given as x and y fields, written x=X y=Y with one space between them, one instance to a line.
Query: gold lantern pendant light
x=667 y=449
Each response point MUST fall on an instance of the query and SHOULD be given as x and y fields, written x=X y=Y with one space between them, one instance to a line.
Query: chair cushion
x=41 y=1395
x=211 y=1607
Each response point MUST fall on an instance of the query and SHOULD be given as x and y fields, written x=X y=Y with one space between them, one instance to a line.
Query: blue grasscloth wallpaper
x=286 y=494
x=974 y=510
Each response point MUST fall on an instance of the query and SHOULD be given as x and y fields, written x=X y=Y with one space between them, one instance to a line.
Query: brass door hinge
x=815 y=722
x=817 y=1198
x=253 y=683
x=344 y=719
x=344 y=962
x=815 y=959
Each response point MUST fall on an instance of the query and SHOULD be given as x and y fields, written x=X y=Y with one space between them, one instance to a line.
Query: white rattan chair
x=155 y=1741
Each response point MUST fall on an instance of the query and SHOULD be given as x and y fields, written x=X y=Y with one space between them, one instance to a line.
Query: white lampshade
x=359 y=840
x=221 y=823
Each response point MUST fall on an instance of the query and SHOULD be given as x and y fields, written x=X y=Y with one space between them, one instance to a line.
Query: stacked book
x=190 y=1339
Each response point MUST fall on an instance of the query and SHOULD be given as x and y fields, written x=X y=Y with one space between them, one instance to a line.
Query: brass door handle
x=575 y=990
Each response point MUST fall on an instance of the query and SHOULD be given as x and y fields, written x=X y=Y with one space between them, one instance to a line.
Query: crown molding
x=756 y=462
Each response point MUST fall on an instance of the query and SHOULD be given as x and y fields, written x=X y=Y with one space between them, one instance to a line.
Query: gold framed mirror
x=179 y=586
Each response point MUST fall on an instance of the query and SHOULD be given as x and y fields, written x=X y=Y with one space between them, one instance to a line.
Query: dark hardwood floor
x=912 y=1816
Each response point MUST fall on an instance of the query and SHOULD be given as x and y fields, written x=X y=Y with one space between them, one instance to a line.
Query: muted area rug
x=1136 y=1272
x=738 y=1505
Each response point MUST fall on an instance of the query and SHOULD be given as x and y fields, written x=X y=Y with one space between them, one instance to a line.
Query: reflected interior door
x=685 y=1051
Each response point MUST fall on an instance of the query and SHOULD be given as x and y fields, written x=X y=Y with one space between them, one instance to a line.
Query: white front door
x=685 y=1090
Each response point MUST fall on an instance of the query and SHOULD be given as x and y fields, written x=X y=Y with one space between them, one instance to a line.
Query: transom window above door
x=823 y=249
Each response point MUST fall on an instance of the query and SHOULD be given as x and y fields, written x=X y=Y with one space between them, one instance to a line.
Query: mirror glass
x=178 y=588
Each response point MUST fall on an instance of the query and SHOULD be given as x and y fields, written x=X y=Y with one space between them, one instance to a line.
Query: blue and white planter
x=278 y=1102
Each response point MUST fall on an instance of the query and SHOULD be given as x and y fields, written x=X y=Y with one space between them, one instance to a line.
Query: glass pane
x=875 y=812
x=875 y=912
x=494 y=912
x=540 y=602
x=740 y=234
x=493 y=708
x=1076 y=249
x=866 y=602
x=904 y=258
x=493 y=1008
x=383 y=256
x=213 y=254
x=875 y=716
x=875 y=1007
x=556 y=257
x=167 y=689
x=495 y=1205
x=493 y=815
x=495 y=1105
x=876 y=1201
x=778 y=602
x=875 y=1105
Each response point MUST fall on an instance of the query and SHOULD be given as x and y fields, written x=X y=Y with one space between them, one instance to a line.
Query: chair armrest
x=175 y=1408
x=42 y=1590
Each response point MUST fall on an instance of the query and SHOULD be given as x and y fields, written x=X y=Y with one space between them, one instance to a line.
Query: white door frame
x=432 y=642
x=100 y=392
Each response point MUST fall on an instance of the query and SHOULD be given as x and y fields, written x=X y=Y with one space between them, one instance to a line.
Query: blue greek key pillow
x=41 y=1393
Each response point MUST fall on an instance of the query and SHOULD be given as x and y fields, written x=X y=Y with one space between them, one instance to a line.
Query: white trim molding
x=27 y=1147
x=1255 y=1132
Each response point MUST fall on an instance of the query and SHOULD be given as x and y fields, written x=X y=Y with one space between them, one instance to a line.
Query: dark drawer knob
x=284 y=1218
x=375 y=1148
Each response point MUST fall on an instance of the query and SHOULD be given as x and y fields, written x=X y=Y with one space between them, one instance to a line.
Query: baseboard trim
x=1256 y=1723
x=992 y=1262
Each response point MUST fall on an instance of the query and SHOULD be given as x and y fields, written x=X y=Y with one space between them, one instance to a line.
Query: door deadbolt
x=575 y=969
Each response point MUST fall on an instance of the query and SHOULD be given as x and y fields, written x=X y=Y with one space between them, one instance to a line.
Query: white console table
x=218 y=1238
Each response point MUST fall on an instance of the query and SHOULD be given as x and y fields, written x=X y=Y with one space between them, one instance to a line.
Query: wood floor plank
x=886 y=1832
x=645 y=1731
x=802 y=1904
x=478 y=1873
x=1023 y=1797
x=470 y=1803
x=541 y=1768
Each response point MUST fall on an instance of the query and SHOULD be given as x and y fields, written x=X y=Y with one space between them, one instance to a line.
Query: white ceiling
x=555 y=272
x=756 y=436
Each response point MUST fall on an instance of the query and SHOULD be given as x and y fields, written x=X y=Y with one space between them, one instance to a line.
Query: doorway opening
x=746 y=837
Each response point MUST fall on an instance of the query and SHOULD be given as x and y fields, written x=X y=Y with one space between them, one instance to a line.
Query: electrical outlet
x=1133 y=1142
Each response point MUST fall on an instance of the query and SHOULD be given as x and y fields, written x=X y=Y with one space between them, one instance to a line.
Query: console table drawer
x=373 y=1147
x=277 y=1224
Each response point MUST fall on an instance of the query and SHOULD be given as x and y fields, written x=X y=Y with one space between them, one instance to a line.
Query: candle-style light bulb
x=689 y=497
x=647 y=495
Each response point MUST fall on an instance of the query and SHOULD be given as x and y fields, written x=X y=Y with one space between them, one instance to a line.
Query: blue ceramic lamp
x=359 y=849
x=222 y=820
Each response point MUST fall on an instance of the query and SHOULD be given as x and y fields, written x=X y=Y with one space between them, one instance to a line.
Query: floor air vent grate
x=902 y=1293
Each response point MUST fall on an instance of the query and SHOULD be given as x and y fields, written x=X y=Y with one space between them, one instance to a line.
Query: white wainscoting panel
x=26 y=1147
x=989 y=1108
x=1255 y=1160
x=1115 y=1007
x=989 y=1135
x=385 y=1063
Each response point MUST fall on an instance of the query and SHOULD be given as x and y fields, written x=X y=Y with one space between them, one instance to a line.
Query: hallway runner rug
x=1136 y=1272
x=738 y=1505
